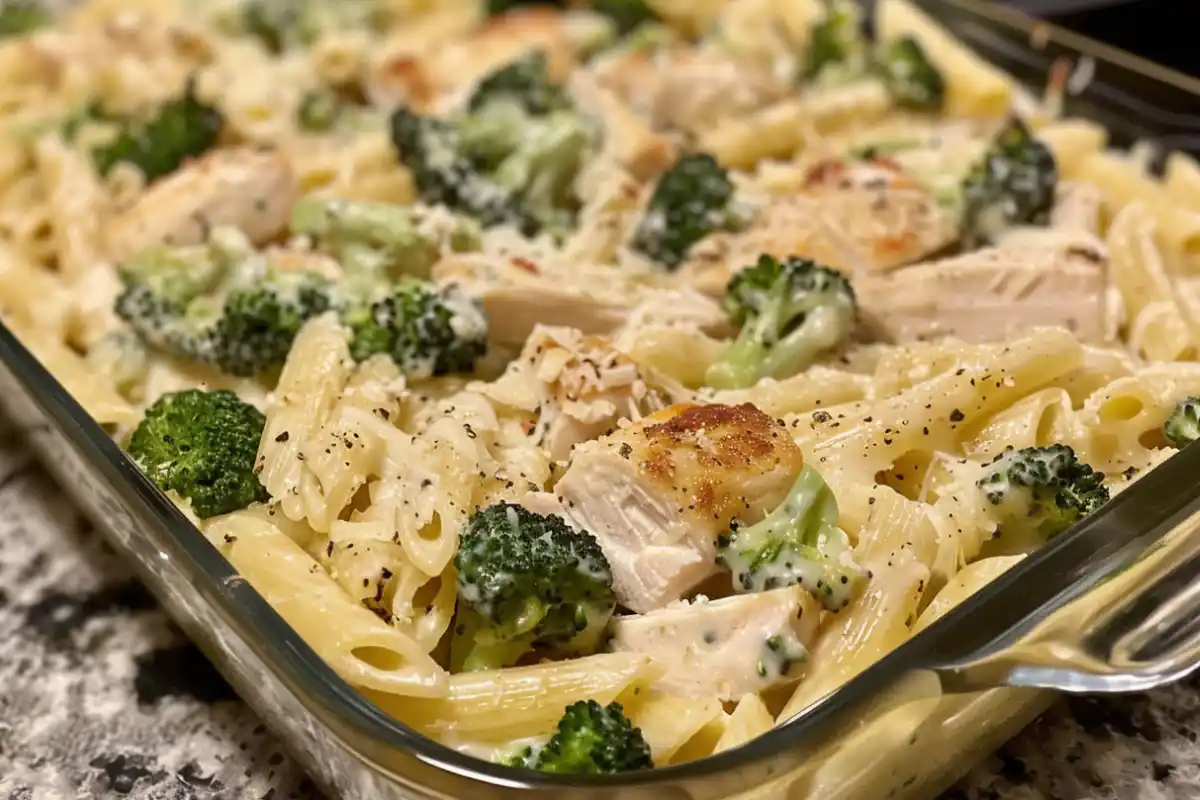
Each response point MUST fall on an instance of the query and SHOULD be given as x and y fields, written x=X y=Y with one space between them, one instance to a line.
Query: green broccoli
x=527 y=582
x=1183 y=426
x=1014 y=184
x=219 y=304
x=427 y=330
x=22 y=16
x=691 y=200
x=319 y=110
x=911 y=78
x=1038 y=492
x=510 y=158
x=790 y=312
x=179 y=129
x=228 y=307
x=202 y=445
x=836 y=47
x=590 y=739
x=281 y=25
x=379 y=239
x=524 y=82
x=799 y=543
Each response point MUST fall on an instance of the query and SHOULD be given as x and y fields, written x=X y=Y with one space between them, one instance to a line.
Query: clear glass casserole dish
x=932 y=694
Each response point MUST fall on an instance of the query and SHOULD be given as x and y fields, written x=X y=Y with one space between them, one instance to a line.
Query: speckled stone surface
x=102 y=697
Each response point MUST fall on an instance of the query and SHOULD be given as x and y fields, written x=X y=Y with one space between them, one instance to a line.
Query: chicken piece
x=724 y=648
x=658 y=492
x=859 y=217
x=252 y=190
x=689 y=88
x=629 y=138
x=416 y=74
x=578 y=387
x=1077 y=207
x=518 y=294
x=1044 y=278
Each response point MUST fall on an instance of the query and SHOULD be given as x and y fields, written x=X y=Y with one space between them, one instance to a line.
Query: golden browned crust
x=716 y=455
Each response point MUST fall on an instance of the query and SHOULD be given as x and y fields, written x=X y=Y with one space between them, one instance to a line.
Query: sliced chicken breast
x=1041 y=278
x=658 y=492
x=859 y=217
x=252 y=190
x=724 y=648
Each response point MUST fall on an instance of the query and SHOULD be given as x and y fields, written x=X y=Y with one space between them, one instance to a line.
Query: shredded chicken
x=657 y=493
x=577 y=387
x=724 y=648
x=688 y=88
x=519 y=293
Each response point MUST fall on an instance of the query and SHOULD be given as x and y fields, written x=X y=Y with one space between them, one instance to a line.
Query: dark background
x=1160 y=30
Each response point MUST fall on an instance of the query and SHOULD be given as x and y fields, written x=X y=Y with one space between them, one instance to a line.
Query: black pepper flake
x=230 y=539
x=821 y=416
x=957 y=416
x=625 y=450
x=281 y=438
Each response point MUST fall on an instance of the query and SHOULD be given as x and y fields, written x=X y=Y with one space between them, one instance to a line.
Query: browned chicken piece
x=724 y=648
x=577 y=387
x=252 y=190
x=419 y=76
x=658 y=492
x=990 y=294
x=859 y=217
x=689 y=89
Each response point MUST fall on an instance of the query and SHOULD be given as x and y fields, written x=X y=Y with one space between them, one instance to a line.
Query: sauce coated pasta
x=594 y=386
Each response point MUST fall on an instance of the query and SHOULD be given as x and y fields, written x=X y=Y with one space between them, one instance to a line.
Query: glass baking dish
x=1097 y=610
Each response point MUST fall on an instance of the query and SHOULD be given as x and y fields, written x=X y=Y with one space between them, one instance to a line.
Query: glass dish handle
x=1134 y=630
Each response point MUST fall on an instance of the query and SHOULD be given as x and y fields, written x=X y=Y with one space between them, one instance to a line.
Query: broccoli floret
x=232 y=309
x=1040 y=491
x=590 y=739
x=836 y=46
x=22 y=16
x=1183 y=426
x=179 y=129
x=202 y=445
x=525 y=82
x=158 y=288
x=444 y=175
x=691 y=200
x=255 y=324
x=799 y=543
x=527 y=581
x=427 y=330
x=281 y=25
x=219 y=305
x=319 y=110
x=510 y=159
x=910 y=77
x=789 y=312
x=1014 y=184
x=379 y=239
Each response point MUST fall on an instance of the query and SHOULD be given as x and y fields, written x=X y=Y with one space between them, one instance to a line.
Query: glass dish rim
x=299 y=667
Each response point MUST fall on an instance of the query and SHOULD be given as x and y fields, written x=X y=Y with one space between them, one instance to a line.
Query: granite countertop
x=102 y=697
